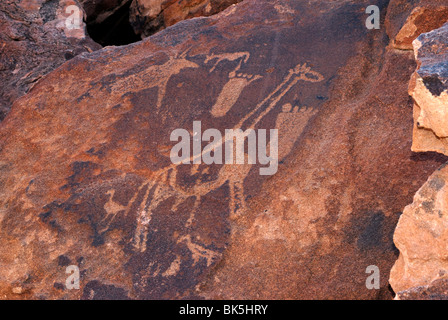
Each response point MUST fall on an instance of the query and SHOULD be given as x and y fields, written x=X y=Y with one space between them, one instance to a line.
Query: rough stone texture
x=407 y=19
x=422 y=236
x=150 y=16
x=86 y=179
x=33 y=42
x=437 y=290
x=429 y=89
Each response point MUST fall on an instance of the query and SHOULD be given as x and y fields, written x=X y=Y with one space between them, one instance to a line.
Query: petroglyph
x=291 y=122
x=242 y=56
x=164 y=184
x=236 y=84
x=198 y=251
x=173 y=269
x=112 y=208
x=157 y=75
x=300 y=72
x=231 y=93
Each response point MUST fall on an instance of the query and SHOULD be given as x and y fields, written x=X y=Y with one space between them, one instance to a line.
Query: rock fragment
x=429 y=89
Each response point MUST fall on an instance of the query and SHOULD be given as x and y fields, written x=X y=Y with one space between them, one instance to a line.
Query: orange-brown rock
x=422 y=236
x=421 y=233
x=406 y=20
x=150 y=16
x=86 y=178
x=33 y=42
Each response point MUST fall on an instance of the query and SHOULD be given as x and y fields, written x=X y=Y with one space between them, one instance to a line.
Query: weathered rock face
x=33 y=42
x=421 y=233
x=150 y=16
x=327 y=214
x=421 y=236
x=429 y=88
x=437 y=290
x=407 y=19
x=86 y=177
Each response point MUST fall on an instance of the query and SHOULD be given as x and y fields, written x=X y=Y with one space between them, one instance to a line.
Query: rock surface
x=429 y=89
x=150 y=16
x=33 y=42
x=422 y=236
x=437 y=290
x=407 y=19
x=86 y=178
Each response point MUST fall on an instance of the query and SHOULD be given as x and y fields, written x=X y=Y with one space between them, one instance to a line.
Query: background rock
x=407 y=19
x=149 y=16
x=86 y=179
x=108 y=22
x=33 y=42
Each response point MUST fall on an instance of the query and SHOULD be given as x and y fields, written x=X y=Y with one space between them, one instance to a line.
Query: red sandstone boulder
x=86 y=177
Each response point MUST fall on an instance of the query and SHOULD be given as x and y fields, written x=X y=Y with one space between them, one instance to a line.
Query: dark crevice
x=434 y=85
x=114 y=30
x=391 y=291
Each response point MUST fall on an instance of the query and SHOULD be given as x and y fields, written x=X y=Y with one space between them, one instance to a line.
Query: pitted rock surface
x=421 y=237
x=420 y=271
x=86 y=177
x=34 y=42
x=437 y=290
